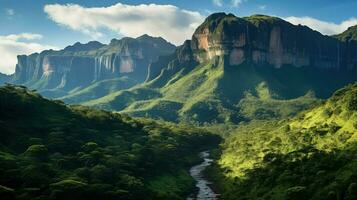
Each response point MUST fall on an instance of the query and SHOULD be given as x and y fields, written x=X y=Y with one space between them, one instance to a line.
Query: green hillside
x=49 y=150
x=98 y=89
x=349 y=35
x=311 y=156
x=209 y=94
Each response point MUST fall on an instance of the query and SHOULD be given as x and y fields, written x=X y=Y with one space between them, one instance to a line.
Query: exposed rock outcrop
x=265 y=40
x=4 y=78
x=236 y=69
x=79 y=65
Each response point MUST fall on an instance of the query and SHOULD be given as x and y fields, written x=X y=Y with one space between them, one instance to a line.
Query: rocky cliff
x=79 y=65
x=236 y=69
x=263 y=40
x=266 y=41
x=4 y=78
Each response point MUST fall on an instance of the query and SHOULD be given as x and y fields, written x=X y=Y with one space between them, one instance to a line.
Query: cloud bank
x=324 y=27
x=17 y=44
x=167 y=21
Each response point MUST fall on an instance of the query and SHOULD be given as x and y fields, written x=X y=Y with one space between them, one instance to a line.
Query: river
x=205 y=192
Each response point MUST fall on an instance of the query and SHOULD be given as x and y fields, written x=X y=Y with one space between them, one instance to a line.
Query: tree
x=39 y=152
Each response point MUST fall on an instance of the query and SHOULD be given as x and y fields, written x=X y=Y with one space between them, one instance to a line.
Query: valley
x=204 y=189
x=249 y=108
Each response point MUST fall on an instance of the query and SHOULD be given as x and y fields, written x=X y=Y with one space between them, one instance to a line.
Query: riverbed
x=205 y=192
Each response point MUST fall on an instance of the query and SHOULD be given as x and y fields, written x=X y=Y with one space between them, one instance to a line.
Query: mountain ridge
x=207 y=77
x=57 y=73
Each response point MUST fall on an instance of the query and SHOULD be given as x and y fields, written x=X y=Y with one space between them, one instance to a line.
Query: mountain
x=66 y=72
x=4 y=78
x=237 y=69
x=310 y=156
x=350 y=35
x=49 y=150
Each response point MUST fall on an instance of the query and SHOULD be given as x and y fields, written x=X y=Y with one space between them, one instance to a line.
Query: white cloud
x=236 y=3
x=18 y=44
x=9 y=11
x=170 y=22
x=262 y=7
x=325 y=27
x=218 y=2
x=24 y=36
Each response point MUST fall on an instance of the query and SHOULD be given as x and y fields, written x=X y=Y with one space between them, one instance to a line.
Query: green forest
x=49 y=150
x=246 y=108
x=310 y=156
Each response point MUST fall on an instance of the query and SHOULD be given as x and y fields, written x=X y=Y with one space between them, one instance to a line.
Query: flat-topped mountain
x=264 y=40
x=232 y=63
x=55 y=73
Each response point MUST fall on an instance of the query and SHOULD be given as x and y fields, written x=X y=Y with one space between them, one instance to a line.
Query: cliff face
x=4 y=78
x=82 y=64
x=268 y=45
x=235 y=69
x=265 y=40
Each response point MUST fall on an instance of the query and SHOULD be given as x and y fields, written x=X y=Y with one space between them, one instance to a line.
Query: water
x=204 y=190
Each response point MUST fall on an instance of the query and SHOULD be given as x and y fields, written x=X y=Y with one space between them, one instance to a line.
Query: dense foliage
x=49 y=150
x=205 y=95
x=312 y=156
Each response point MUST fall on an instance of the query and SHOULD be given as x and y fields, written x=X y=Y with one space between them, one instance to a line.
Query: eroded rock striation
x=265 y=41
x=80 y=65
x=235 y=69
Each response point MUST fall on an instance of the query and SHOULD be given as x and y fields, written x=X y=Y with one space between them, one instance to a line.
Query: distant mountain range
x=118 y=65
x=230 y=64
x=4 y=78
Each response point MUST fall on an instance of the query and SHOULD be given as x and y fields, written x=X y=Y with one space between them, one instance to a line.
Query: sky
x=28 y=26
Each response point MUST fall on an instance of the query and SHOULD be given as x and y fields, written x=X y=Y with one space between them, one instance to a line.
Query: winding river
x=204 y=190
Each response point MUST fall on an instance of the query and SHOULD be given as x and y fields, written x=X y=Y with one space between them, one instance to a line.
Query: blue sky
x=34 y=25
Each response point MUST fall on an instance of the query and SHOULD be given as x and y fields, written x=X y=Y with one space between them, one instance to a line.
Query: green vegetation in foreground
x=49 y=150
x=311 y=156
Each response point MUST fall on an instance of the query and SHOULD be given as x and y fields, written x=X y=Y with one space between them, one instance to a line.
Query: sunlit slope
x=98 y=89
x=206 y=94
x=311 y=156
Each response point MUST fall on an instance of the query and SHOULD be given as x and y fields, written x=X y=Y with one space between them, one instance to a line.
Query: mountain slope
x=58 y=73
x=98 y=89
x=4 y=78
x=229 y=59
x=349 y=35
x=49 y=150
x=311 y=156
